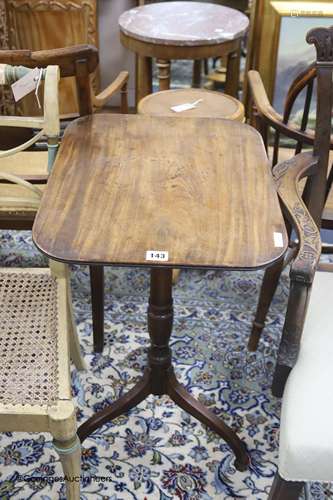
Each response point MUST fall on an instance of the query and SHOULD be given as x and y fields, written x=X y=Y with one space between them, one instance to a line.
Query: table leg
x=159 y=377
x=144 y=76
x=196 y=75
x=232 y=76
x=97 y=305
x=131 y=399
x=163 y=67
x=182 y=398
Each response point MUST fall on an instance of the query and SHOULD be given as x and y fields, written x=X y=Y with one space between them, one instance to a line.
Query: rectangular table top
x=197 y=191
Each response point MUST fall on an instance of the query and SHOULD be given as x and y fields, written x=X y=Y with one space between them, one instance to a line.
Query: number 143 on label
x=157 y=255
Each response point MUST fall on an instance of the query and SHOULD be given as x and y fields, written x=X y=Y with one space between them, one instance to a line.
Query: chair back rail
x=304 y=80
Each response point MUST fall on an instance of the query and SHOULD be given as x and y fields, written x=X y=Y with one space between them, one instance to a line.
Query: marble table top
x=183 y=23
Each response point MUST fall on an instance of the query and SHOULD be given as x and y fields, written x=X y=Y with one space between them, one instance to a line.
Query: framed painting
x=264 y=38
x=291 y=54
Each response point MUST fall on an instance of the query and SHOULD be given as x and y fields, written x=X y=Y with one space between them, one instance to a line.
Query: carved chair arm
x=287 y=176
x=119 y=84
x=270 y=115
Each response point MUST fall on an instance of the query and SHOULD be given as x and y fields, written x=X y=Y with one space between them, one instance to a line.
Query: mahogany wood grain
x=122 y=185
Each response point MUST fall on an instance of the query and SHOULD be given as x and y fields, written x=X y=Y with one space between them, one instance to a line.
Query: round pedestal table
x=182 y=30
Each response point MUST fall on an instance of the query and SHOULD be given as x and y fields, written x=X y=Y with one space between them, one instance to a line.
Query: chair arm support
x=118 y=84
x=20 y=201
x=272 y=117
x=287 y=175
x=14 y=179
x=299 y=295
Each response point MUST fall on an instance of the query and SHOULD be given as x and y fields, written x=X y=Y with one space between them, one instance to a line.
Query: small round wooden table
x=182 y=30
x=209 y=104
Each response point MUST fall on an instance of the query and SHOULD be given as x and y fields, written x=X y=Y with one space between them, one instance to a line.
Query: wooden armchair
x=303 y=375
x=19 y=199
x=317 y=191
x=79 y=62
x=38 y=331
x=303 y=371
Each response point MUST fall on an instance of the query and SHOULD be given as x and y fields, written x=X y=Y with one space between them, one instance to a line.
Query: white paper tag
x=278 y=239
x=157 y=255
x=183 y=107
x=28 y=83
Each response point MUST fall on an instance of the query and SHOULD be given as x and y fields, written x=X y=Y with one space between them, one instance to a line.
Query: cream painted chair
x=306 y=431
x=19 y=198
x=38 y=332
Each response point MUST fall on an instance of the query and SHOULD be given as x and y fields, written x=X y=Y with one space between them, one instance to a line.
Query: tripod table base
x=159 y=377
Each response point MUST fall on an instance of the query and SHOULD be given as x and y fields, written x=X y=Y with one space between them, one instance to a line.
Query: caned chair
x=80 y=62
x=38 y=332
x=319 y=199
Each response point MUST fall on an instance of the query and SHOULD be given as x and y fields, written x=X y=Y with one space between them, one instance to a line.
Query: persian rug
x=157 y=451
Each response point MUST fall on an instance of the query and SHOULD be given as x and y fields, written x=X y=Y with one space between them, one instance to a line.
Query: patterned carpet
x=157 y=451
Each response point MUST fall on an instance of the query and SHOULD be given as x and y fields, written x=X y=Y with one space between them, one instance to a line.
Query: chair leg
x=285 y=490
x=267 y=291
x=196 y=74
x=97 y=300
x=124 y=99
x=69 y=452
x=74 y=343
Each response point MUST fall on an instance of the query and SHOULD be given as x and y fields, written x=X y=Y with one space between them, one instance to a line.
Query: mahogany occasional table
x=182 y=30
x=161 y=192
